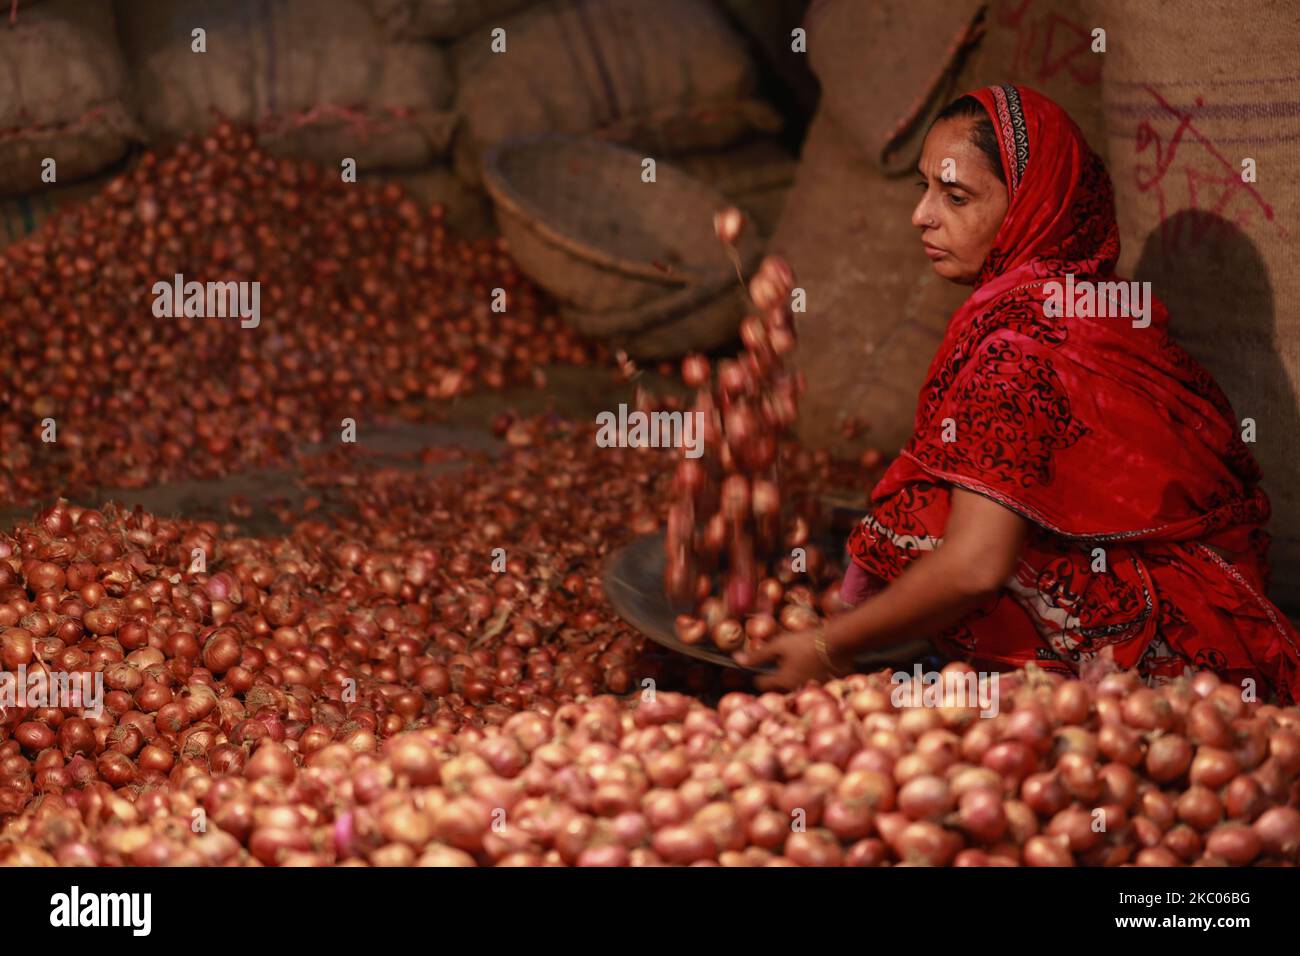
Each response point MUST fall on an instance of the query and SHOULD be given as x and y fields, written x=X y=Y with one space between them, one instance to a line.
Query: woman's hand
x=980 y=549
x=796 y=657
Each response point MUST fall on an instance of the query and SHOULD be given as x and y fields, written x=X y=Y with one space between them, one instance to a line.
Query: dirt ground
x=576 y=393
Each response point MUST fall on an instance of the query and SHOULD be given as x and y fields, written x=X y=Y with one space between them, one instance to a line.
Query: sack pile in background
x=418 y=91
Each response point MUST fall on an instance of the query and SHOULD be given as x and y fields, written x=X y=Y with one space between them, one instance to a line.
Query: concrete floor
x=576 y=393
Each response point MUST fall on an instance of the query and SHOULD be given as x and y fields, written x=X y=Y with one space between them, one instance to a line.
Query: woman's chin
x=946 y=268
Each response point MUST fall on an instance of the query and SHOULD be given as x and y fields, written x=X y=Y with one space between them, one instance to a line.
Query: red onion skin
x=1184 y=842
x=1157 y=856
x=1279 y=831
x=1047 y=851
x=1234 y=843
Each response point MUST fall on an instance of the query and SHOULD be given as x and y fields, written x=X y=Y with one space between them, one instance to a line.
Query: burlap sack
x=667 y=80
x=887 y=67
x=876 y=311
x=1191 y=90
x=441 y=19
x=20 y=216
x=768 y=24
x=756 y=176
x=64 y=94
x=318 y=78
x=1045 y=44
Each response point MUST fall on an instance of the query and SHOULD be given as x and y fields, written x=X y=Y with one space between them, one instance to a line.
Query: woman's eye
x=957 y=200
x=922 y=183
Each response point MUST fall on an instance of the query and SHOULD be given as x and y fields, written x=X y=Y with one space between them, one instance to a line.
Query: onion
x=695 y=371
x=1075 y=824
x=728 y=223
x=1234 y=843
x=926 y=843
x=683 y=844
x=1159 y=807
x=760 y=628
x=1168 y=757
x=1011 y=759
x=1044 y=794
x=981 y=815
x=925 y=798
x=1053 y=850
x=1207 y=726
x=767 y=829
x=270 y=760
x=1119 y=785
x=1071 y=702
x=1213 y=768
x=1157 y=856
x=729 y=635
x=1119 y=744
x=868 y=852
x=795 y=617
x=34 y=736
x=1184 y=842
x=1146 y=709
x=834 y=744
x=814 y=848
x=1278 y=829
x=1146 y=832
x=1199 y=807
x=847 y=820
x=1021 y=821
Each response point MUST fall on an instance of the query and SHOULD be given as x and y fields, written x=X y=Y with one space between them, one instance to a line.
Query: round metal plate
x=634 y=584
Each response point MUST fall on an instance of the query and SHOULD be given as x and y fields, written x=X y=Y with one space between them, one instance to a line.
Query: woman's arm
x=981 y=545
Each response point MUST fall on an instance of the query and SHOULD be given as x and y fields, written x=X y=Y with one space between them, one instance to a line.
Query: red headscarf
x=1101 y=433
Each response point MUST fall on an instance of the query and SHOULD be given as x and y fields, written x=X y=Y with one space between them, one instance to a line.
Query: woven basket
x=581 y=223
x=690 y=320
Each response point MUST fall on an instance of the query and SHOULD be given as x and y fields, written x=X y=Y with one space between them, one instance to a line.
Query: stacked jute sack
x=876 y=311
x=65 y=101
x=1193 y=90
x=422 y=91
x=318 y=78
x=676 y=81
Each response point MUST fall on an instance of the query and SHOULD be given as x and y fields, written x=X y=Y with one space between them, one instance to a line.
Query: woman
x=1085 y=476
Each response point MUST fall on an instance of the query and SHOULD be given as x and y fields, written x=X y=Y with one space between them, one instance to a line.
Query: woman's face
x=963 y=202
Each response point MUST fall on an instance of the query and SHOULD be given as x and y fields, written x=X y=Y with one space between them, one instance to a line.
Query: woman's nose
x=921 y=215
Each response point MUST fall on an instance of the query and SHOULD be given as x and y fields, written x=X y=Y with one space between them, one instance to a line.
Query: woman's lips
x=934 y=252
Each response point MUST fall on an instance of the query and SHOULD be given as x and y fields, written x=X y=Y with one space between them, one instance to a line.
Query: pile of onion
x=367 y=302
x=1066 y=773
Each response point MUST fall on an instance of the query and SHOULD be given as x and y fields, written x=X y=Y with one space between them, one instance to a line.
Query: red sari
x=1147 y=540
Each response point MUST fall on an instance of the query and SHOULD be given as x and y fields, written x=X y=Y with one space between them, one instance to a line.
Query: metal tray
x=634 y=584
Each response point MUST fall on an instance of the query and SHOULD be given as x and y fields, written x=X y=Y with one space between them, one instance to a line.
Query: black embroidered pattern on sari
x=1011 y=413
x=901 y=514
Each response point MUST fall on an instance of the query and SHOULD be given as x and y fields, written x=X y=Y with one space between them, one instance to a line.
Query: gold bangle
x=819 y=644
